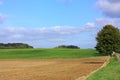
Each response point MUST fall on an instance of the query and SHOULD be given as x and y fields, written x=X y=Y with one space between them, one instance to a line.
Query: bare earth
x=48 y=69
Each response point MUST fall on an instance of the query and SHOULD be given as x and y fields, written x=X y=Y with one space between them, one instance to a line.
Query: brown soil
x=48 y=69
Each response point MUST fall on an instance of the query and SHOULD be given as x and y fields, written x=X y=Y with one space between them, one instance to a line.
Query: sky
x=49 y=23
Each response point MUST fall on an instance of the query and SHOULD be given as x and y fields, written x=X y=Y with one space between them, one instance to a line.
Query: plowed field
x=48 y=69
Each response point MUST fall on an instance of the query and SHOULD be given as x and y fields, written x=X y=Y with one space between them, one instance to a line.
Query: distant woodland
x=14 y=46
x=68 y=46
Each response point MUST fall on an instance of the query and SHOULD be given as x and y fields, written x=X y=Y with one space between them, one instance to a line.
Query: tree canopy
x=108 y=40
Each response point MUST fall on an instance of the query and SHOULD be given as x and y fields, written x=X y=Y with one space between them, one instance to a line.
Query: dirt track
x=48 y=69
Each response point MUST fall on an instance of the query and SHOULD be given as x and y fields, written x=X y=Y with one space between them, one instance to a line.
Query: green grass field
x=110 y=72
x=46 y=53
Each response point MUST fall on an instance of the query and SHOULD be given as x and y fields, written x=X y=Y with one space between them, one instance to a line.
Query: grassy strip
x=46 y=53
x=110 y=72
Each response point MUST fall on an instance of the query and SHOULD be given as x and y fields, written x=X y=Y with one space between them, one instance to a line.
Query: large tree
x=108 y=40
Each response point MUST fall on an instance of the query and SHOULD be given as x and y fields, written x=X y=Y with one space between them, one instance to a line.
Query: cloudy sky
x=48 y=23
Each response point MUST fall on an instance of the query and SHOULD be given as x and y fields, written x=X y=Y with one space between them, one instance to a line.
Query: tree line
x=14 y=46
x=68 y=46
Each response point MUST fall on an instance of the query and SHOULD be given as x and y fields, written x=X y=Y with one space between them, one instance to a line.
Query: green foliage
x=46 y=53
x=110 y=72
x=68 y=46
x=108 y=40
x=14 y=46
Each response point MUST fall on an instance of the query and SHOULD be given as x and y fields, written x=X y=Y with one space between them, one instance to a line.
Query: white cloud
x=2 y=18
x=114 y=1
x=101 y=22
x=104 y=21
x=110 y=8
x=57 y=40
x=57 y=34
x=22 y=34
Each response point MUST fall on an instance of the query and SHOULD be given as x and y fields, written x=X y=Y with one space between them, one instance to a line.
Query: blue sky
x=44 y=13
x=48 y=23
